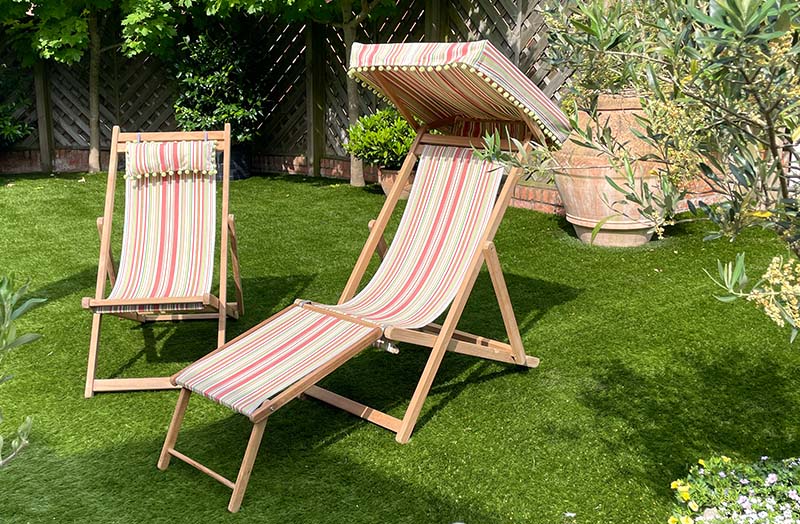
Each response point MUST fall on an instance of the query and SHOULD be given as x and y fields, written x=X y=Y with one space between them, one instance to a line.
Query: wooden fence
x=306 y=107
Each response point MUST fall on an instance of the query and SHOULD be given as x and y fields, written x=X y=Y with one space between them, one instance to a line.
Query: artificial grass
x=642 y=373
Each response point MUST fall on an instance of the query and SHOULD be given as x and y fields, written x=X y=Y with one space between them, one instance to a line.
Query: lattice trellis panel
x=134 y=93
x=69 y=96
x=515 y=28
x=285 y=127
x=142 y=96
x=407 y=25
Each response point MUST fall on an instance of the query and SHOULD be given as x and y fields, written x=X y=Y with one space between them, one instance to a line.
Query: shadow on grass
x=189 y=340
x=298 y=477
x=731 y=403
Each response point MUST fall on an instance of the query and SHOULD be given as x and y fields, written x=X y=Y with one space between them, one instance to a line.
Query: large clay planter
x=581 y=180
x=586 y=195
x=387 y=177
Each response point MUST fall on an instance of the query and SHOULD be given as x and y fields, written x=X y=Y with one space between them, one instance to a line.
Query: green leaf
x=596 y=229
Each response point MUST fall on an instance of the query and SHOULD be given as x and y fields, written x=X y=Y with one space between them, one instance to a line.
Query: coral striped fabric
x=167 y=158
x=472 y=81
x=479 y=128
x=441 y=229
x=167 y=241
x=272 y=357
x=447 y=212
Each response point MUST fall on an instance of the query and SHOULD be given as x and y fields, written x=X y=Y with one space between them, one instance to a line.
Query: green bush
x=215 y=86
x=12 y=129
x=383 y=139
x=721 y=491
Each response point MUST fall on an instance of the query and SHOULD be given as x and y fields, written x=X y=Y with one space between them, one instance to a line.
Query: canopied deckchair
x=166 y=265
x=444 y=238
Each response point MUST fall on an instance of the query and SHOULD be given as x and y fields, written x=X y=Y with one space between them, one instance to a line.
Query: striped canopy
x=470 y=81
x=446 y=216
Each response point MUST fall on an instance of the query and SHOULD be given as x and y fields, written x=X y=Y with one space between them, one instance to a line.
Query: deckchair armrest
x=89 y=303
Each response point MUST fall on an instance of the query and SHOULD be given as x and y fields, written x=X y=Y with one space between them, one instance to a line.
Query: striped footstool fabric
x=272 y=357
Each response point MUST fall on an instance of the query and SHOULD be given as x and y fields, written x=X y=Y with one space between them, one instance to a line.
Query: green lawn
x=642 y=373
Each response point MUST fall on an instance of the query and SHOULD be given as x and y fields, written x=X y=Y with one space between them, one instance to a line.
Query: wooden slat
x=356 y=408
x=208 y=471
x=132 y=384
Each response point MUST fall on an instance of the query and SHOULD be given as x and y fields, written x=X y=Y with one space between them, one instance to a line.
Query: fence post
x=315 y=97
x=435 y=21
x=44 y=116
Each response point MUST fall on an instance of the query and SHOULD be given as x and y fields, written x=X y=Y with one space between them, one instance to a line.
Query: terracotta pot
x=586 y=195
x=581 y=181
x=387 y=177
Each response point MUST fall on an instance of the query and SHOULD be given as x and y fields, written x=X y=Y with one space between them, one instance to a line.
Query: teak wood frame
x=106 y=271
x=440 y=338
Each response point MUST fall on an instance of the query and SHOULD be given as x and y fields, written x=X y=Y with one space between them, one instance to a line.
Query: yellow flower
x=685 y=495
x=672 y=520
x=702 y=462
x=675 y=484
x=686 y=520
x=725 y=459
x=693 y=505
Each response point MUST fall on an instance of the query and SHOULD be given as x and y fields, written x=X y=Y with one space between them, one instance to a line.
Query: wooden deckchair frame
x=439 y=338
x=212 y=305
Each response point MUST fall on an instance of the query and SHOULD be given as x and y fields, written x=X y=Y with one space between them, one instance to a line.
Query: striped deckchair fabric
x=446 y=216
x=267 y=360
x=479 y=128
x=167 y=241
x=169 y=226
x=436 y=81
x=170 y=158
x=447 y=212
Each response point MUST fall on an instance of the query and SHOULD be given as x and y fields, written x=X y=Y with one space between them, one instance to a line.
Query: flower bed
x=721 y=491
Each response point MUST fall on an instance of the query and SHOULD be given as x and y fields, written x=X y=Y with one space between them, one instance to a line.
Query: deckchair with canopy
x=166 y=265
x=444 y=237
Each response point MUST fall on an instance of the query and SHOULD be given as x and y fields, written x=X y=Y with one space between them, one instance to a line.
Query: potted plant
x=609 y=154
x=218 y=83
x=383 y=139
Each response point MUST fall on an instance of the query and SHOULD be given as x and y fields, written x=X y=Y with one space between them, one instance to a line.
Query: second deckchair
x=166 y=266
x=444 y=238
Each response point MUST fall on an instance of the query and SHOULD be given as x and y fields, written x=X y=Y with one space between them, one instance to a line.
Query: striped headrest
x=168 y=158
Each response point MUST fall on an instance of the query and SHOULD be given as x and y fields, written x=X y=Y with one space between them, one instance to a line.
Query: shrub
x=721 y=491
x=383 y=139
x=215 y=86
x=12 y=129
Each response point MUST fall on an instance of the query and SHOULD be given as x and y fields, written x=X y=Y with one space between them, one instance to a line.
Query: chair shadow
x=731 y=404
x=387 y=382
x=296 y=478
x=67 y=286
x=178 y=341
x=365 y=377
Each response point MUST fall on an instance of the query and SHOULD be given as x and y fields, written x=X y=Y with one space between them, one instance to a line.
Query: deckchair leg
x=94 y=342
x=247 y=466
x=504 y=300
x=237 y=275
x=422 y=390
x=174 y=428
